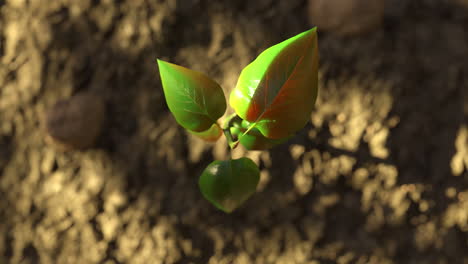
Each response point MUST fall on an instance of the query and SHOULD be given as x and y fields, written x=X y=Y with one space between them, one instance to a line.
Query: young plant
x=273 y=99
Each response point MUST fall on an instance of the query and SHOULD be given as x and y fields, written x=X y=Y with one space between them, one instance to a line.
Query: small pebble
x=346 y=17
x=75 y=123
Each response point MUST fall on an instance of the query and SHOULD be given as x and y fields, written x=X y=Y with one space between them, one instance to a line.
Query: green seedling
x=273 y=100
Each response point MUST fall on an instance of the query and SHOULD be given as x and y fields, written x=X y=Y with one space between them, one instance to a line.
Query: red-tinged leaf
x=277 y=91
x=195 y=100
x=210 y=135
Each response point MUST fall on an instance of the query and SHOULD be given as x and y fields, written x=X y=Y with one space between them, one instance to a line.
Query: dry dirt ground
x=378 y=176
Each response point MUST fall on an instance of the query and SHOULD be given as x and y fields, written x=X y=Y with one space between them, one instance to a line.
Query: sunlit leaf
x=277 y=91
x=194 y=99
x=210 y=135
x=229 y=183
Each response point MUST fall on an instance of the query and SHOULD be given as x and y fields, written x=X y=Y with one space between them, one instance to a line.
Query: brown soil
x=378 y=176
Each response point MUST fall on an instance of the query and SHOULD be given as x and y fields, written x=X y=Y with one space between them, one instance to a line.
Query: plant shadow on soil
x=419 y=55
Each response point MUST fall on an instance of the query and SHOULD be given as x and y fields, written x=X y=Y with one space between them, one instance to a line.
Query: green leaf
x=194 y=99
x=210 y=135
x=277 y=91
x=253 y=139
x=229 y=183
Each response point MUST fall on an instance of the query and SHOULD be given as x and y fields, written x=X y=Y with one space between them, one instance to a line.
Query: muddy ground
x=378 y=176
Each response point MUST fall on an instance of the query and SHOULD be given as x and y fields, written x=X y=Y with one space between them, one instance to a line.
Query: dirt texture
x=378 y=176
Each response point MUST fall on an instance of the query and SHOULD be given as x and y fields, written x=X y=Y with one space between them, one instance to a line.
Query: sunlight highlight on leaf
x=277 y=91
x=194 y=99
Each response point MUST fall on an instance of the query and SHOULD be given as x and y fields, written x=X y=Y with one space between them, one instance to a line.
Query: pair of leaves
x=273 y=99
x=275 y=93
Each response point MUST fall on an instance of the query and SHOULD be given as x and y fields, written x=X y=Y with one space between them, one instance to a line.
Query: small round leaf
x=229 y=183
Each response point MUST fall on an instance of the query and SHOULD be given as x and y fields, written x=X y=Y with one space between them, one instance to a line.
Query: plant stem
x=248 y=130
x=231 y=142
x=227 y=132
